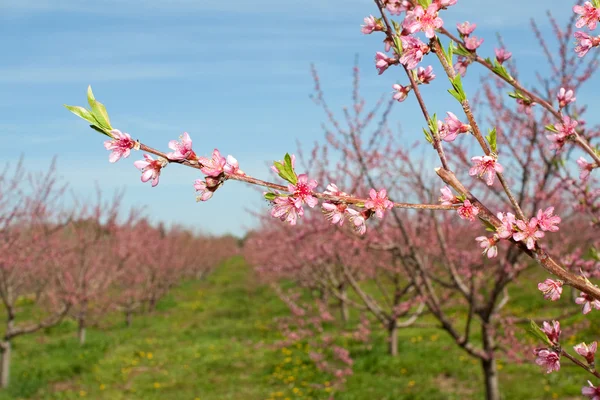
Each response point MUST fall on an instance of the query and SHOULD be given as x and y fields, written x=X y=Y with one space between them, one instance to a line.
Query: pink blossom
x=182 y=150
x=528 y=233
x=565 y=97
x=213 y=166
x=488 y=245
x=485 y=165
x=444 y=3
x=525 y=106
x=382 y=62
x=547 y=359
x=371 y=25
x=378 y=202
x=232 y=167
x=547 y=221
x=591 y=391
x=302 y=191
x=502 y=55
x=468 y=211
x=588 y=352
x=552 y=331
x=334 y=212
x=454 y=127
x=425 y=75
x=466 y=28
x=150 y=168
x=585 y=168
x=285 y=209
x=401 y=92
x=388 y=43
x=565 y=131
x=588 y=302
x=584 y=42
x=589 y=15
x=447 y=198
x=507 y=228
x=333 y=190
x=551 y=289
x=204 y=192
x=396 y=7
x=121 y=145
x=427 y=21
x=358 y=221
x=461 y=66
x=472 y=43
x=413 y=51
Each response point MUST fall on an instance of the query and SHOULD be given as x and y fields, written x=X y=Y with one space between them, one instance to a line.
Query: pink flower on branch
x=232 y=166
x=302 y=191
x=468 y=211
x=507 y=228
x=584 y=42
x=358 y=221
x=588 y=352
x=551 y=289
x=447 y=198
x=378 y=202
x=588 y=302
x=182 y=149
x=444 y=3
x=565 y=97
x=453 y=127
x=466 y=28
x=547 y=221
x=472 y=43
x=382 y=62
x=425 y=75
x=547 y=359
x=488 y=245
x=213 y=166
x=334 y=212
x=121 y=145
x=204 y=191
x=564 y=132
x=371 y=25
x=485 y=165
x=591 y=391
x=396 y=7
x=585 y=168
x=419 y=19
x=150 y=168
x=589 y=15
x=401 y=92
x=285 y=208
x=461 y=65
x=413 y=51
x=333 y=190
x=502 y=55
x=552 y=331
x=528 y=232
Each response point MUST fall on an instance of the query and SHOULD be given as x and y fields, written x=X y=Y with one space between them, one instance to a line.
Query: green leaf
x=491 y=138
x=81 y=113
x=457 y=90
x=289 y=168
x=535 y=331
x=489 y=226
x=98 y=110
x=462 y=51
x=424 y=3
x=270 y=196
x=427 y=135
x=101 y=130
x=499 y=70
x=551 y=128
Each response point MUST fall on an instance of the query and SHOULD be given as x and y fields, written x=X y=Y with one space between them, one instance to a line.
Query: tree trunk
x=393 y=338
x=5 y=363
x=128 y=317
x=344 y=311
x=81 y=331
x=490 y=370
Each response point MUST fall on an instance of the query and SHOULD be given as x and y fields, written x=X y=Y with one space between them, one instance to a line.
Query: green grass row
x=214 y=340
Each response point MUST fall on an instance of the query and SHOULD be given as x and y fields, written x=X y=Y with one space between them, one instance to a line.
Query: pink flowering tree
x=487 y=187
x=30 y=255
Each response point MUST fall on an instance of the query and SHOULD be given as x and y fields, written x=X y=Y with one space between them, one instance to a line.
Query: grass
x=214 y=340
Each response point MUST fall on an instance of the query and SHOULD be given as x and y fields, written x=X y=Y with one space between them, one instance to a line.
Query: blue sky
x=234 y=76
